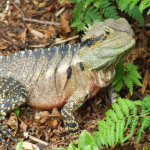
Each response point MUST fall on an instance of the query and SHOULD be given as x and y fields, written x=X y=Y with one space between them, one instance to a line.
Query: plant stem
x=101 y=13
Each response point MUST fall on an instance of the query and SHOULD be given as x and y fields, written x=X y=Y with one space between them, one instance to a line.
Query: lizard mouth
x=121 y=48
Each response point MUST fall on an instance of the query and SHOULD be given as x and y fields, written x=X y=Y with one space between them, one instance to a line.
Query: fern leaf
x=118 y=129
x=122 y=130
x=112 y=115
x=144 y=4
x=123 y=106
x=129 y=83
x=119 y=85
x=98 y=3
x=146 y=102
x=114 y=130
x=132 y=107
x=135 y=13
x=107 y=10
x=108 y=136
x=112 y=134
x=133 y=4
x=128 y=122
x=103 y=124
x=88 y=2
x=140 y=103
x=136 y=81
x=134 y=123
x=118 y=111
x=145 y=124
x=100 y=127
x=105 y=138
x=109 y=121
x=119 y=72
x=124 y=3
x=131 y=66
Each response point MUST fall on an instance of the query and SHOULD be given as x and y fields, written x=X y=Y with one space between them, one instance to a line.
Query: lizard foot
x=6 y=131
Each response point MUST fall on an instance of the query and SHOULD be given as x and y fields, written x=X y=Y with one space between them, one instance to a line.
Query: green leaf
x=17 y=112
x=144 y=4
x=72 y=147
x=133 y=4
x=119 y=85
x=119 y=72
x=19 y=145
x=98 y=3
x=85 y=139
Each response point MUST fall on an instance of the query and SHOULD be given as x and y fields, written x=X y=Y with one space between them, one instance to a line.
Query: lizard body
x=65 y=75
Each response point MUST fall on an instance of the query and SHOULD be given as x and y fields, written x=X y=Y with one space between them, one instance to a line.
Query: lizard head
x=105 y=43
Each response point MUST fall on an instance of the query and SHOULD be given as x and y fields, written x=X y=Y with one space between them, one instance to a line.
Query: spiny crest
x=93 y=31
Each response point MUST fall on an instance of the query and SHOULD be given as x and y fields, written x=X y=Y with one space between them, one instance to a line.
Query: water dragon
x=66 y=75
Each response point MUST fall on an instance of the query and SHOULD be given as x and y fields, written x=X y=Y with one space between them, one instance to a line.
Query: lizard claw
x=7 y=132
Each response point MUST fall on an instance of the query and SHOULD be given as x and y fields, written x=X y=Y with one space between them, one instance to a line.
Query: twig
x=9 y=39
x=146 y=25
x=33 y=20
x=38 y=140
x=69 y=39
x=55 y=42
x=41 y=22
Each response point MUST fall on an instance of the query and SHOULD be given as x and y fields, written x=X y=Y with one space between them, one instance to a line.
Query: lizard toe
x=6 y=131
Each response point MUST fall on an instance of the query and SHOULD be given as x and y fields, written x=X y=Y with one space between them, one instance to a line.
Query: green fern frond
x=143 y=4
x=135 y=13
x=84 y=15
x=108 y=10
x=117 y=110
x=113 y=128
x=132 y=76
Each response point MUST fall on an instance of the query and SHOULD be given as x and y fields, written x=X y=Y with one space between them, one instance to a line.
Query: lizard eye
x=107 y=33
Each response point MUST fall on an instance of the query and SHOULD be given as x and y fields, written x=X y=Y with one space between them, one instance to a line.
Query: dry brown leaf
x=142 y=52
x=47 y=118
x=49 y=7
x=145 y=81
x=55 y=112
x=35 y=2
x=88 y=124
x=86 y=113
x=43 y=4
x=128 y=96
x=3 y=47
x=64 y=28
x=13 y=122
x=137 y=53
x=65 y=3
x=23 y=126
x=2 y=16
x=23 y=36
x=11 y=7
x=143 y=40
x=146 y=145
x=52 y=122
x=50 y=32
x=35 y=32
x=59 y=131
x=148 y=33
x=28 y=145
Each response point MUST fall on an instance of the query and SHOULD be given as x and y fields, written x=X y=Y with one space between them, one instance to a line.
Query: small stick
x=62 y=41
x=2 y=33
x=33 y=20
x=38 y=140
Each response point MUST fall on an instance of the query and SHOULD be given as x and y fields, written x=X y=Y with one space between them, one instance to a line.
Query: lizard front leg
x=74 y=102
x=12 y=95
